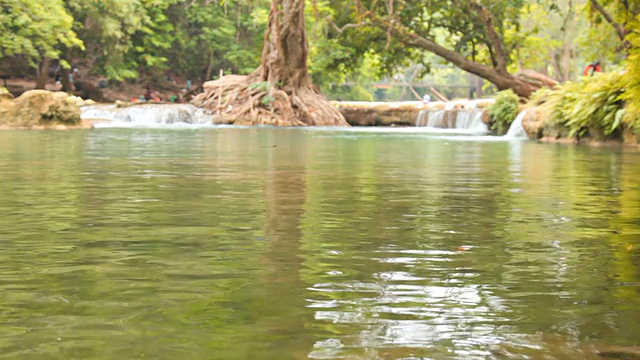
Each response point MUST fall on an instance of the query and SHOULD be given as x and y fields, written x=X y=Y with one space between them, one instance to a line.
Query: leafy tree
x=617 y=14
x=36 y=30
x=122 y=35
x=477 y=36
x=225 y=37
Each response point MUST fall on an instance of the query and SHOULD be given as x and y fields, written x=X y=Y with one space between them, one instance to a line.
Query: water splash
x=516 y=130
x=147 y=115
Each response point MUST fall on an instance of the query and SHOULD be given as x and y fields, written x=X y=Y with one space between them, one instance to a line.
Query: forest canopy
x=357 y=42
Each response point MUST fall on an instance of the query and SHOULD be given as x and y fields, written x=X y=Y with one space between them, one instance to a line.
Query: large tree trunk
x=280 y=91
x=43 y=73
x=66 y=82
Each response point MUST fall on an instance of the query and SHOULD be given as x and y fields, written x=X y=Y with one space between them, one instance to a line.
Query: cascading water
x=470 y=119
x=516 y=130
x=422 y=115
x=466 y=119
x=147 y=115
x=436 y=119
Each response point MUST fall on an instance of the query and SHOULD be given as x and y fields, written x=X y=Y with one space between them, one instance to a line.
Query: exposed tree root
x=246 y=100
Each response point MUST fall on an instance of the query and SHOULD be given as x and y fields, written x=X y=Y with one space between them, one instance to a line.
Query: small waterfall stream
x=436 y=119
x=147 y=115
x=467 y=119
x=420 y=119
x=516 y=130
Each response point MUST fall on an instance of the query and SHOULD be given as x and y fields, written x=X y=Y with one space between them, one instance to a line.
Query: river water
x=259 y=243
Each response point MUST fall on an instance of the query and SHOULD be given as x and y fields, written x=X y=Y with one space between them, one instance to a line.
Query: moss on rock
x=37 y=108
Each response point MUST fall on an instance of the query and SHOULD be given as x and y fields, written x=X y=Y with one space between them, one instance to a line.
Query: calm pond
x=260 y=243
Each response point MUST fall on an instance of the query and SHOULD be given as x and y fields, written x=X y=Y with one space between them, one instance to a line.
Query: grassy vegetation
x=631 y=94
x=592 y=106
x=503 y=111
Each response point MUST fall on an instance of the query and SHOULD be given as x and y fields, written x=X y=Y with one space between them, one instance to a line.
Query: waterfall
x=146 y=115
x=470 y=119
x=516 y=130
x=421 y=117
x=466 y=120
x=436 y=119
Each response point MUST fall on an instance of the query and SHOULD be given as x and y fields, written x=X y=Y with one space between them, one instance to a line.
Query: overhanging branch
x=617 y=26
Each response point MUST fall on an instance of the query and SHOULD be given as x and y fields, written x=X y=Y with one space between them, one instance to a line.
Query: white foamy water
x=516 y=130
x=148 y=115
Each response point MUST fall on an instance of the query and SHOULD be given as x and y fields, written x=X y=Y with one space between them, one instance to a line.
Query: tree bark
x=494 y=38
x=43 y=73
x=284 y=55
x=66 y=82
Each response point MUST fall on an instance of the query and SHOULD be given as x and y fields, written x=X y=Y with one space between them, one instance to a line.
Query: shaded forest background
x=358 y=49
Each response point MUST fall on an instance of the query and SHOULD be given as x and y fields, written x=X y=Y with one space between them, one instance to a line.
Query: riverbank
x=45 y=110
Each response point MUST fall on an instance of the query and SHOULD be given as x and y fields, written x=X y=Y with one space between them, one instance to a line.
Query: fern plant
x=504 y=111
x=593 y=105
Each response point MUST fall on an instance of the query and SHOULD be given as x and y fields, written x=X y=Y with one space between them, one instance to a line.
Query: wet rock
x=6 y=101
x=533 y=123
x=361 y=113
x=39 y=108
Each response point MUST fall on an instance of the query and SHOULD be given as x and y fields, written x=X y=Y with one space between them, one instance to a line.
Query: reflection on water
x=263 y=243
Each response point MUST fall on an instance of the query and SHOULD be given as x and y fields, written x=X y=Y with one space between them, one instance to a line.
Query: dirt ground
x=123 y=91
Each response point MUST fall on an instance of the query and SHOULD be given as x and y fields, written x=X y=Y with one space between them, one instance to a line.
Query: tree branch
x=501 y=78
x=342 y=29
x=494 y=38
x=619 y=28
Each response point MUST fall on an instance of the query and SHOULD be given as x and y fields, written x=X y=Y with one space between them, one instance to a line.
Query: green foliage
x=35 y=29
x=632 y=79
x=364 y=27
x=348 y=92
x=504 y=111
x=261 y=85
x=591 y=106
x=192 y=39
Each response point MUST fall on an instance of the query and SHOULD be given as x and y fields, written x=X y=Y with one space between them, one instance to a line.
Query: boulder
x=38 y=108
x=362 y=113
x=533 y=123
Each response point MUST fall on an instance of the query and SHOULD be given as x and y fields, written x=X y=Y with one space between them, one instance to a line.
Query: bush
x=504 y=111
x=632 y=80
x=591 y=106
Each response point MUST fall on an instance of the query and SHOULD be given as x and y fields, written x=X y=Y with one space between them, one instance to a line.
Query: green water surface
x=293 y=244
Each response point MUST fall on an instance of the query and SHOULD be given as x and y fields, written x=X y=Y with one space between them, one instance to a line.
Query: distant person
x=592 y=68
x=426 y=98
x=188 y=85
x=76 y=72
x=148 y=95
